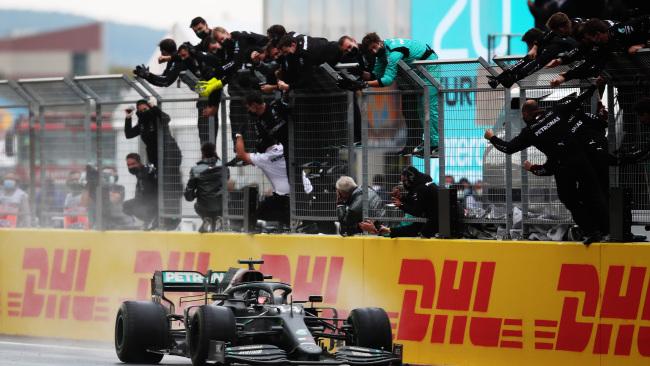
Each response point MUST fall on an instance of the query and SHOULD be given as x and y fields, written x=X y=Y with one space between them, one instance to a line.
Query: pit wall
x=453 y=302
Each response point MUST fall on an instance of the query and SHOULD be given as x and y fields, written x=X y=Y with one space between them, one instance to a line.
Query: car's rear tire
x=139 y=326
x=210 y=322
x=370 y=328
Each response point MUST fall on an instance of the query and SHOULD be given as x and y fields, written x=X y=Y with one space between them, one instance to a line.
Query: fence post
x=293 y=179
x=41 y=158
x=32 y=158
x=224 y=160
x=350 y=117
x=99 y=204
x=426 y=133
x=364 y=154
x=509 y=206
x=525 y=186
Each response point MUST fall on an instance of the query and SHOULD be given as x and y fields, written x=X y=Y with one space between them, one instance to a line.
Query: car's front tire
x=209 y=323
x=139 y=326
x=370 y=328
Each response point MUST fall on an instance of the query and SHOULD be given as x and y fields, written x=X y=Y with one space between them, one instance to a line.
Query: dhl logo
x=325 y=275
x=472 y=293
x=54 y=287
x=593 y=326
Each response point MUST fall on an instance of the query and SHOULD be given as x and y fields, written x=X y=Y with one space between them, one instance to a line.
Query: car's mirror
x=315 y=298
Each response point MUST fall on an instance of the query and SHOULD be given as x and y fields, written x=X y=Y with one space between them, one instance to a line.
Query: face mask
x=9 y=184
x=201 y=34
x=227 y=43
x=354 y=51
x=134 y=171
x=143 y=114
x=381 y=52
x=109 y=177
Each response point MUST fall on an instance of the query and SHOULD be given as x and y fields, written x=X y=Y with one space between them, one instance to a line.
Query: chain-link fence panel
x=15 y=157
x=629 y=83
x=394 y=125
x=242 y=175
x=468 y=106
x=321 y=148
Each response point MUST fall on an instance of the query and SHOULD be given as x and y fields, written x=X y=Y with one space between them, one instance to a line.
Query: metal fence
x=62 y=130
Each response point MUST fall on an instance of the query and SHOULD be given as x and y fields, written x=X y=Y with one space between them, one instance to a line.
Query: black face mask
x=228 y=43
x=134 y=171
x=381 y=52
x=201 y=34
x=354 y=51
x=143 y=114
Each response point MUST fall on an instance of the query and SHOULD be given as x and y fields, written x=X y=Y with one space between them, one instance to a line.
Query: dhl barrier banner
x=451 y=302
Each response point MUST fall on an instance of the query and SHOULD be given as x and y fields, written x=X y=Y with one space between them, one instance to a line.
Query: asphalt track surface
x=27 y=351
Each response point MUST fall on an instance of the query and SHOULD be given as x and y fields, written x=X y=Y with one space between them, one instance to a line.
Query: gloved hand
x=141 y=71
x=152 y=101
x=205 y=88
x=351 y=85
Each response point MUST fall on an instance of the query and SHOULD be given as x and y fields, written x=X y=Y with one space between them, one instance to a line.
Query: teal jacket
x=398 y=49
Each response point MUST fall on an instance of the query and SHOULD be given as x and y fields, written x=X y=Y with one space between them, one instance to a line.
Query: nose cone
x=310 y=349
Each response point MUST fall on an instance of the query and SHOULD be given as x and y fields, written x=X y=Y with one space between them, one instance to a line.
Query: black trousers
x=203 y=123
x=143 y=211
x=275 y=208
x=410 y=111
x=579 y=190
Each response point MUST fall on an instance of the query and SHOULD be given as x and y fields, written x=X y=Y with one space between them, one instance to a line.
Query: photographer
x=419 y=199
x=349 y=207
x=150 y=118
x=144 y=206
x=205 y=186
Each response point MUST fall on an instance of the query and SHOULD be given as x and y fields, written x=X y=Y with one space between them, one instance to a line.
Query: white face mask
x=9 y=184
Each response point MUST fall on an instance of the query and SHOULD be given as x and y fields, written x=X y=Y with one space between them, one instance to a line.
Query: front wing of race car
x=265 y=354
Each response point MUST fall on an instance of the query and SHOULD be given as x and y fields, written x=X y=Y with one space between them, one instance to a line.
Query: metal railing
x=61 y=125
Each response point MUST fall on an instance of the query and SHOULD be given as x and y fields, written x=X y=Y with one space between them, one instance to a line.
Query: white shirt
x=274 y=166
x=16 y=203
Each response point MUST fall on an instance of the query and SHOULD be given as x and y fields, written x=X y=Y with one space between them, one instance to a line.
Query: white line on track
x=55 y=346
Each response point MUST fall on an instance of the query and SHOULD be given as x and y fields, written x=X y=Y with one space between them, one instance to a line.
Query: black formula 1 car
x=243 y=319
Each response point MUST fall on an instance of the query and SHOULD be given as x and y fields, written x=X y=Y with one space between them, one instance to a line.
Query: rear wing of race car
x=190 y=281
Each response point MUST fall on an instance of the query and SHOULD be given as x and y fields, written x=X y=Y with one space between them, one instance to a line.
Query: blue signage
x=459 y=29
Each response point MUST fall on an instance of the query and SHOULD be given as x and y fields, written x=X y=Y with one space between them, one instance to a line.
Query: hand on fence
x=559 y=80
x=634 y=49
x=209 y=111
x=528 y=165
x=396 y=196
x=488 y=134
x=368 y=226
x=283 y=86
x=205 y=88
x=268 y=88
x=554 y=63
x=152 y=101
